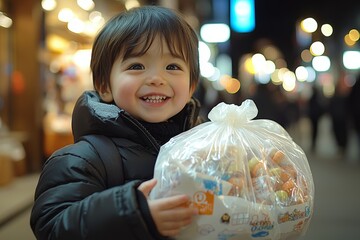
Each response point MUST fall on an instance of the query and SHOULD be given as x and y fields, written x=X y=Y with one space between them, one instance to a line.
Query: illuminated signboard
x=242 y=15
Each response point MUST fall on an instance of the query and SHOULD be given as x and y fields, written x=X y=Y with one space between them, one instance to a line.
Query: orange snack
x=279 y=174
x=290 y=170
x=284 y=176
x=237 y=181
x=278 y=157
x=289 y=186
x=258 y=170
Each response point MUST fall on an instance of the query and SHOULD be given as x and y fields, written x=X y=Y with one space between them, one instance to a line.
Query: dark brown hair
x=139 y=27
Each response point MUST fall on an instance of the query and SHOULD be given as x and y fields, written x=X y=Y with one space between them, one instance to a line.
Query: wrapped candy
x=248 y=178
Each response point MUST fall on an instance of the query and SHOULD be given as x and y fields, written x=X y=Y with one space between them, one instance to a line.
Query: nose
x=156 y=79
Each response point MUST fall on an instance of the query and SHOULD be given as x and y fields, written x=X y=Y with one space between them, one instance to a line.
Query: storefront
x=45 y=49
x=5 y=59
x=69 y=30
x=12 y=139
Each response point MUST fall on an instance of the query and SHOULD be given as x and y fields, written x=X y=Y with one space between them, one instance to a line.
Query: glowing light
x=48 y=5
x=65 y=15
x=309 y=25
x=259 y=62
x=204 y=52
x=249 y=66
x=289 y=82
x=224 y=63
x=215 y=32
x=56 y=43
x=275 y=77
x=96 y=17
x=281 y=73
x=215 y=76
x=301 y=73
x=5 y=21
x=311 y=74
x=206 y=69
x=317 y=48
x=269 y=67
x=231 y=85
x=262 y=77
x=81 y=58
x=87 y=5
x=326 y=30
x=76 y=25
x=131 y=4
x=242 y=15
x=354 y=35
x=348 y=41
x=234 y=87
x=351 y=60
x=321 y=63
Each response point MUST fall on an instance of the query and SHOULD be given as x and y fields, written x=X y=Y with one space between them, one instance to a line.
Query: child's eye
x=136 y=67
x=173 y=67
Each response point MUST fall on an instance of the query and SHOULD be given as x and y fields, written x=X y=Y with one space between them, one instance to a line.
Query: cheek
x=122 y=91
x=184 y=90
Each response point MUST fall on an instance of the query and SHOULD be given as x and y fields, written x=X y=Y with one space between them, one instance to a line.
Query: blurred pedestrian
x=315 y=112
x=354 y=108
x=338 y=111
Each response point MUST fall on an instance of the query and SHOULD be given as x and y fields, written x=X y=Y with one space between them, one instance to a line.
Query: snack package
x=248 y=178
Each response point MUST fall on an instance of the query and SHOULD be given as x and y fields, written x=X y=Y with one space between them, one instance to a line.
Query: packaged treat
x=248 y=178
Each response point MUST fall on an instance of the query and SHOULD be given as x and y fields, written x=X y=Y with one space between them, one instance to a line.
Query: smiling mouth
x=154 y=99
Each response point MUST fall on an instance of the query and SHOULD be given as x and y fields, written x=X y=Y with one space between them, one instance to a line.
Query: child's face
x=152 y=87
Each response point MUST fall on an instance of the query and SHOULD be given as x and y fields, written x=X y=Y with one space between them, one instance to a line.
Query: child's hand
x=170 y=214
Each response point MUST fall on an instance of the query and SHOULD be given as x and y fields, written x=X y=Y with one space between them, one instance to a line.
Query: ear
x=106 y=95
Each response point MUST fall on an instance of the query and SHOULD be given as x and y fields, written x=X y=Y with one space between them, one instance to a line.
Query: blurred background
x=298 y=60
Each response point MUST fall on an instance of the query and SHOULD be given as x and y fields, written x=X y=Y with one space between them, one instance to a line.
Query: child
x=145 y=69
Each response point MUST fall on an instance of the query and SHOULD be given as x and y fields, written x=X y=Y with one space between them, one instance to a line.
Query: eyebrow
x=139 y=54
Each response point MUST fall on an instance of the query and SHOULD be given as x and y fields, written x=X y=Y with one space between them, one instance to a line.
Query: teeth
x=154 y=99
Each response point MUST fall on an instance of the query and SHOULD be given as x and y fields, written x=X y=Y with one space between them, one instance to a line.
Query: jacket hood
x=93 y=116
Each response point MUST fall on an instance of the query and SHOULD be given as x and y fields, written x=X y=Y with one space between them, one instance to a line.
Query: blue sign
x=242 y=15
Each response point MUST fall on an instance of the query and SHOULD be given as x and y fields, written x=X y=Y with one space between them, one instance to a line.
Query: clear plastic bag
x=248 y=178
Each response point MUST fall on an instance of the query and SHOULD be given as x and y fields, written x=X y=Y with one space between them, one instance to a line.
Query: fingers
x=170 y=222
x=147 y=186
x=172 y=229
x=173 y=201
x=171 y=214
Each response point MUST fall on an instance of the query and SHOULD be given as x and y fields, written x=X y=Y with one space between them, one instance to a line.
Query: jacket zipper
x=143 y=130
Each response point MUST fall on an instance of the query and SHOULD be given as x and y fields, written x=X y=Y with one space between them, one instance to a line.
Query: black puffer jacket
x=72 y=200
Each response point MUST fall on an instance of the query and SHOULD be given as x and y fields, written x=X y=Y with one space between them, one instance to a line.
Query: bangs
x=140 y=43
x=140 y=47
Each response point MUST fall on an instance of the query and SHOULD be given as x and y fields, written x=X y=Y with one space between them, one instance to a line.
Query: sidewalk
x=336 y=178
x=15 y=201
